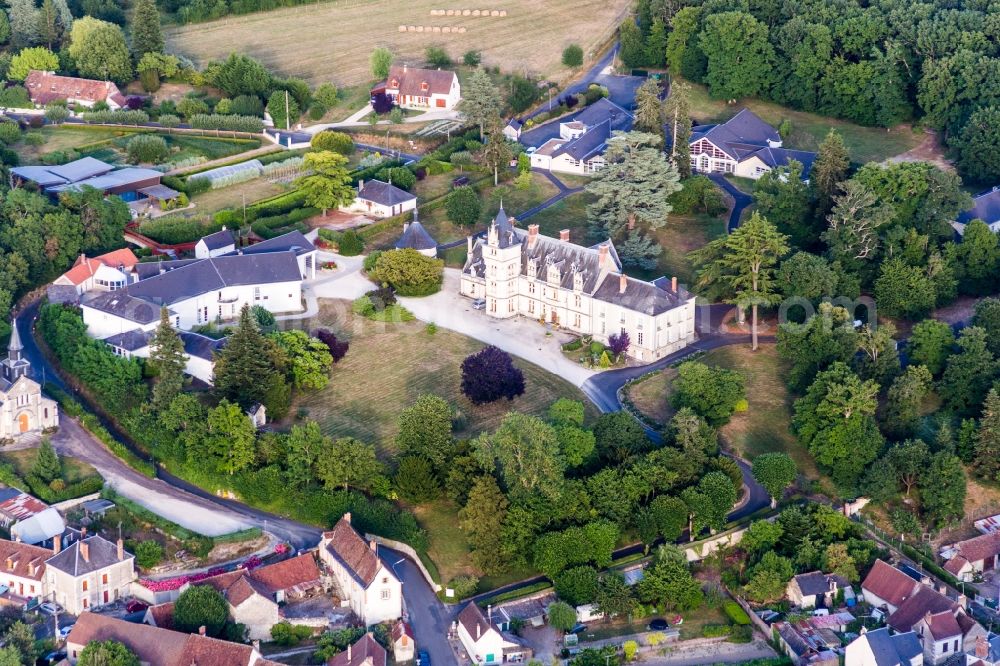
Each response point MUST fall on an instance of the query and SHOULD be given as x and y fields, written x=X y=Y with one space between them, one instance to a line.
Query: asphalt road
x=741 y=198
x=428 y=615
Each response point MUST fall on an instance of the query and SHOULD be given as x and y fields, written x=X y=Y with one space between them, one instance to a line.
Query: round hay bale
x=420 y=28
x=411 y=28
x=402 y=28
x=446 y=29
x=466 y=12
x=451 y=12
x=495 y=12
x=462 y=30
x=437 y=29
x=475 y=12
x=503 y=12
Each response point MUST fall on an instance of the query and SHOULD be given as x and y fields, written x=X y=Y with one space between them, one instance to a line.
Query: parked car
x=531 y=149
x=479 y=304
x=658 y=624
x=423 y=659
x=50 y=608
x=460 y=181
x=4 y=589
x=55 y=657
x=135 y=606
x=578 y=628
x=64 y=631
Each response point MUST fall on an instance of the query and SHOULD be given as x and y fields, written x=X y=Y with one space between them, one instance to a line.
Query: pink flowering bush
x=176 y=583
x=282 y=548
x=251 y=562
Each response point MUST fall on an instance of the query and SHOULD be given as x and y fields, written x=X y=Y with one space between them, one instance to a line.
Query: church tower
x=15 y=365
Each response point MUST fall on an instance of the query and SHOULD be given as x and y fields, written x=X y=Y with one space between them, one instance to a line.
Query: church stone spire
x=15 y=365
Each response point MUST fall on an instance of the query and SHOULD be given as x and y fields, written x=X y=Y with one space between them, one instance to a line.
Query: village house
x=512 y=130
x=986 y=652
x=107 y=272
x=46 y=87
x=363 y=652
x=23 y=408
x=22 y=573
x=416 y=237
x=744 y=146
x=985 y=207
x=483 y=640
x=215 y=245
x=417 y=88
x=366 y=582
x=881 y=648
x=159 y=647
x=381 y=200
x=805 y=647
x=814 y=589
x=91 y=572
x=967 y=559
x=403 y=644
x=199 y=350
x=581 y=289
x=582 y=139
x=886 y=587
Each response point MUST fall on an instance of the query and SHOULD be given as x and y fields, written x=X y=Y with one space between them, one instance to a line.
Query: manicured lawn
x=390 y=365
x=448 y=547
x=570 y=213
x=73 y=470
x=764 y=427
x=64 y=137
x=182 y=147
x=233 y=196
x=865 y=144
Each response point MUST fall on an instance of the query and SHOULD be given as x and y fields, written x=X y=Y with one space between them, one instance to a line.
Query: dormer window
x=553 y=274
x=532 y=268
x=394 y=83
x=424 y=86
x=578 y=281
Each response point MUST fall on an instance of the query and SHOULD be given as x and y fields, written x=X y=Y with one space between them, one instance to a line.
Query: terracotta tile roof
x=44 y=87
x=401 y=629
x=223 y=581
x=955 y=565
x=22 y=560
x=364 y=652
x=295 y=572
x=84 y=267
x=162 y=615
x=889 y=583
x=942 y=625
x=352 y=551
x=244 y=588
x=411 y=81
x=926 y=600
x=161 y=647
x=980 y=548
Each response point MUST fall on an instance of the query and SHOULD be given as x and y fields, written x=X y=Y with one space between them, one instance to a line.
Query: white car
x=64 y=631
x=49 y=608
x=479 y=304
x=531 y=149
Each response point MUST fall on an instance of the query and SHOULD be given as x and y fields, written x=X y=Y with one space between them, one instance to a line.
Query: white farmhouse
x=582 y=289
x=374 y=592
x=483 y=640
x=380 y=199
x=582 y=139
x=416 y=88
x=745 y=146
x=107 y=272
x=215 y=245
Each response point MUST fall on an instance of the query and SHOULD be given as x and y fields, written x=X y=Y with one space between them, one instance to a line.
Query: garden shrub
x=338 y=142
x=247 y=105
x=370 y=260
x=287 y=634
x=232 y=123
x=401 y=177
x=698 y=195
x=317 y=111
x=408 y=272
x=148 y=554
x=735 y=613
x=169 y=120
x=120 y=117
x=715 y=630
x=10 y=132
x=573 y=345
x=146 y=148
x=350 y=244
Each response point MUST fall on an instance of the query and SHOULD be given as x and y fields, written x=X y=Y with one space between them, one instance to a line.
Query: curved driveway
x=740 y=200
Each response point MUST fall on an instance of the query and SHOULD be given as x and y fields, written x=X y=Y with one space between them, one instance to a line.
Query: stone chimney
x=56 y=544
x=347 y=517
x=202 y=630
x=602 y=255
x=564 y=235
x=83 y=532
x=85 y=551
x=673 y=284
x=943 y=589
x=622 y=283
x=962 y=601
x=361 y=185
x=982 y=647
x=348 y=653
x=532 y=234
x=468 y=240
x=121 y=550
x=31 y=568
x=374 y=546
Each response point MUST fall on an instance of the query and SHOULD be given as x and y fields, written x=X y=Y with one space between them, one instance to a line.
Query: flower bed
x=176 y=583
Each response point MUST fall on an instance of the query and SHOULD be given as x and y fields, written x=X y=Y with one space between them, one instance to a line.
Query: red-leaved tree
x=490 y=374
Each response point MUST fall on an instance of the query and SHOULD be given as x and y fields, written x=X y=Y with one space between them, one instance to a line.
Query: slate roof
x=159 y=192
x=985 y=207
x=604 y=110
x=779 y=157
x=639 y=295
x=889 y=583
x=745 y=135
x=161 y=647
x=364 y=651
x=515 y=124
x=147 y=269
x=816 y=582
x=103 y=554
x=384 y=194
x=409 y=79
x=212 y=274
x=416 y=237
x=472 y=618
x=219 y=239
x=45 y=87
x=892 y=650
x=122 y=304
x=353 y=552
x=292 y=241
x=22 y=560
x=585 y=146
x=133 y=340
x=201 y=346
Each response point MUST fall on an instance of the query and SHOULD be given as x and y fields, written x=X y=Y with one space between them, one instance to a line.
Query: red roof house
x=45 y=87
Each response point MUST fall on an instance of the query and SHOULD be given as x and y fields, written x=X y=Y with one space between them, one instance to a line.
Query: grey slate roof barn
x=384 y=194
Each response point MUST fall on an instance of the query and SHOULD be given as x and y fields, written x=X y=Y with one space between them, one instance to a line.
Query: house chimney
x=489 y=613
x=622 y=283
x=943 y=589
x=83 y=532
x=479 y=630
x=373 y=545
x=31 y=568
x=361 y=184
x=673 y=284
x=56 y=544
x=85 y=551
x=121 y=550
x=602 y=255
x=202 y=630
x=982 y=647
x=347 y=517
x=532 y=234
x=469 y=241
x=962 y=601
x=564 y=235
x=348 y=653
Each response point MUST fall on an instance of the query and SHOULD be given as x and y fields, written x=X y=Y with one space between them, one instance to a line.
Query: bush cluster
x=147 y=148
x=120 y=117
x=231 y=123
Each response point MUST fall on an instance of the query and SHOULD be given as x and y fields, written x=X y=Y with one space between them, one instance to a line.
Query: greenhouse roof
x=229 y=170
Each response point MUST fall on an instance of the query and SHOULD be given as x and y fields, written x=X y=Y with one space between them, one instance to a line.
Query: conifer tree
x=496 y=154
x=986 y=455
x=46 y=465
x=48 y=24
x=147 y=35
x=244 y=369
x=828 y=171
x=480 y=100
x=167 y=357
x=649 y=109
x=677 y=112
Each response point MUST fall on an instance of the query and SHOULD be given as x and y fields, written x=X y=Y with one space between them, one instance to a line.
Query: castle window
x=576 y=301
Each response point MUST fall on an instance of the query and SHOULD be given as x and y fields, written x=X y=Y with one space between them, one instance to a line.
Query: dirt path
x=928 y=150
x=249 y=155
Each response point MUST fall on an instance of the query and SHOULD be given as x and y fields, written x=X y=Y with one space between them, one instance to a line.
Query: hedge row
x=120 y=117
x=216 y=121
x=91 y=423
x=174 y=230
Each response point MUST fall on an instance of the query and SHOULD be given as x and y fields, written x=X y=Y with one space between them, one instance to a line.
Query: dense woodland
x=878 y=63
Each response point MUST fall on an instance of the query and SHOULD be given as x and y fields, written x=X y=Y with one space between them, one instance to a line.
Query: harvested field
x=332 y=41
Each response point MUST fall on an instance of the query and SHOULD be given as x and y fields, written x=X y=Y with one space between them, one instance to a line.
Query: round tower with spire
x=15 y=365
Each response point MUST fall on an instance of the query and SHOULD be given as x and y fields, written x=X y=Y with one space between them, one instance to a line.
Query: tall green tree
x=99 y=50
x=740 y=57
x=986 y=451
x=943 y=489
x=48 y=23
x=649 y=108
x=902 y=290
x=677 y=113
x=853 y=232
x=976 y=259
x=200 y=606
x=46 y=465
x=167 y=358
x=230 y=438
x=350 y=463
x=328 y=181
x=304 y=445
x=283 y=109
x=668 y=581
x=481 y=102
x=380 y=61
x=774 y=471
x=425 y=430
x=23 y=15
x=931 y=342
x=784 y=199
x=632 y=46
x=904 y=400
x=828 y=171
x=979 y=146
x=525 y=452
x=107 y=653
x=879 y=359
x=969 y=373
x=246 y=365
x=496 y=153
x=482 y=522
x=308 y=359
x=146 y=32
x=744 y=261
